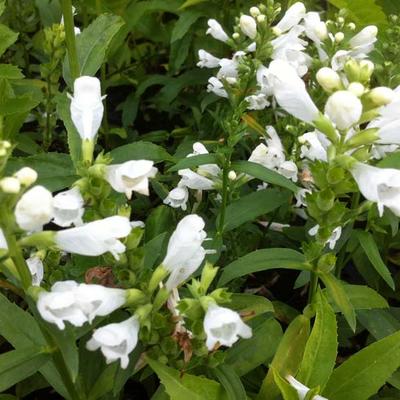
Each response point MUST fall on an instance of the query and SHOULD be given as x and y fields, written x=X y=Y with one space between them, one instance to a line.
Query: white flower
x=131 y=176
x=210 y=170
x=185 y=252
x=290 y=91
x=216 y=86
x=95 y=238
x=195 y=181
x=339 y=59
x=98 y=301
x=263 y=81
x=216 y=31
x=300 y=196
x=68 y=208
x=257 y=101
x=388 y=123
x=314 y=145
x=86 y=106
x=178 y=197
x=248 y=25
x=224 y=326
x=26 y=176
x=315 y=29
x=116 y=341
x=380 y=185
x=289 y=170
x=34 y=209
x=36 y=269
x=363 y=42
x=77 y=304
x=3 y=241
x=292 y=17
x=301 y=389
x=344 y=109
x=328 y=79
x=207 y=60
x=60 y=305
x=335 y=236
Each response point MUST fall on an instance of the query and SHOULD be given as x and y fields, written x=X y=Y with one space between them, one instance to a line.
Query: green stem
x=13 y=249
x=225 y=192
x=70 y=38
x=313 y=287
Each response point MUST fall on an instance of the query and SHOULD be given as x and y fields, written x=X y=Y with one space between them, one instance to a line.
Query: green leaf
x=140 y=151
x=262 y=202
x=262 y=260
x=231 y=382
x=18 y=105
x=288 y=356
x=184 y=23
x=92 y=45
x=74 y=139
x=371 y=250
x=8 y=71
x=250 y=304
x=55 y=170
x=49 y=11
x=248 y=354
x=364 y=373
x=391 y=160
x=379 y=323
x=191 y=3
x=363 y=12
x=187 y=386
x=321 y=348
x=362 y=297
x=339 y=295
x=267 y=175
x=194 y=161
x=19 y=364
x=7 y=38
x=104 y=383
x=159 y=221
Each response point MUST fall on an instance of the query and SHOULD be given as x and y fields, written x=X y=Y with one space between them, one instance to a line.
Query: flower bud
x=339 y=37
x=344 y=109
x=367 y=68
x=356 y=88
x=328 y=79
x=321 y=30
x=340 y=20
x=10 y=185
x=381 y=96
x=352 y=70
x=276 y=31
x=26 y=176
x=255 y=11
x=236 y=35
x=232 y=175
x=261 y=18
x=248 y=26
x=351 y=26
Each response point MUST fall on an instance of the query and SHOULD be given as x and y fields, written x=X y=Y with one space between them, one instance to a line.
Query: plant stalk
x=70 y=38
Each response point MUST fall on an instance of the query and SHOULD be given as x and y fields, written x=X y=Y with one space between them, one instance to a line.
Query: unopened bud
x=381 y=96
x=328 y=79
x=236 y=35
x=248 y=26
x=276 y=31
x=232 y=175
x=352 y=70
x=10 y=185
x=255 y=11
x=339 y=37
x=340 y=20
x=356 y=88
x=366 y=69
x=351 y=26
x=26 y=176
x=231 y=80
x=261 y=18
x=321 y=30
